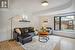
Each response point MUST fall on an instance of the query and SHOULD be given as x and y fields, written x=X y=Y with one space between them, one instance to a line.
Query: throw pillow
x=18 y=30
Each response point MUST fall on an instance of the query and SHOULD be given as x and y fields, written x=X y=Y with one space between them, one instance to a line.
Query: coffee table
x=43 y=36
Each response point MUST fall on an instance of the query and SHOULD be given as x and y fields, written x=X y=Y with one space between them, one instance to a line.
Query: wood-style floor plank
x=10 y=45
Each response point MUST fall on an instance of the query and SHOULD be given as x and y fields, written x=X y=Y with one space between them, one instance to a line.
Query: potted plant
x=43 y=29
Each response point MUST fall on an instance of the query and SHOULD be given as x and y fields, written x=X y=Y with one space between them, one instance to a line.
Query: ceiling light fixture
x=44 y=3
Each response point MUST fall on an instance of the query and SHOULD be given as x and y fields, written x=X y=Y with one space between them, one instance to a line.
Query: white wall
x=50 y=20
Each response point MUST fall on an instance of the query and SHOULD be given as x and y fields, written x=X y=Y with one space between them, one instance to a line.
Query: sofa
x=23 y=35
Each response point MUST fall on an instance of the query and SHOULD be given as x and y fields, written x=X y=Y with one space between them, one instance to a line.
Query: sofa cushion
x=30 y=29
x=24 y=32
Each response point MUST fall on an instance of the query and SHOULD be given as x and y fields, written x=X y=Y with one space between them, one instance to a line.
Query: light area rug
x=51 y=44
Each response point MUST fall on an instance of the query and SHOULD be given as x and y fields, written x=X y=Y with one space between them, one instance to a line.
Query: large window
x=64 y=23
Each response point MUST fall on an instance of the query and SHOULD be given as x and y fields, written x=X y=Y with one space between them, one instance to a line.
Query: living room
x=37 y=16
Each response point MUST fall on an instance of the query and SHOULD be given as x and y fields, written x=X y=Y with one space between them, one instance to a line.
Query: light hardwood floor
x=10 y=45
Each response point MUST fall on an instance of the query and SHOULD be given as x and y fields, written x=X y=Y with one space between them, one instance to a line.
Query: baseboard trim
x=63 y=36
x=11 y=39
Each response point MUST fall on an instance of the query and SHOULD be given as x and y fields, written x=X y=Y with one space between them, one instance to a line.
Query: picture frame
x=4 y=3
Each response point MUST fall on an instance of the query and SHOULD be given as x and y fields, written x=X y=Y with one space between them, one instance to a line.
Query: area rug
x=10 y=45
x=51 y=44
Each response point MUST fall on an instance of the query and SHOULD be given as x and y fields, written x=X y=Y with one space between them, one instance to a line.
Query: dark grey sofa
x=26 y=35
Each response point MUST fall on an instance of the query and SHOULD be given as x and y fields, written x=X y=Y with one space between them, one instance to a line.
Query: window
x=64 y=23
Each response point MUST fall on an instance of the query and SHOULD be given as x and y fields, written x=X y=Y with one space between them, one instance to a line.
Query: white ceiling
x=34 y=5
